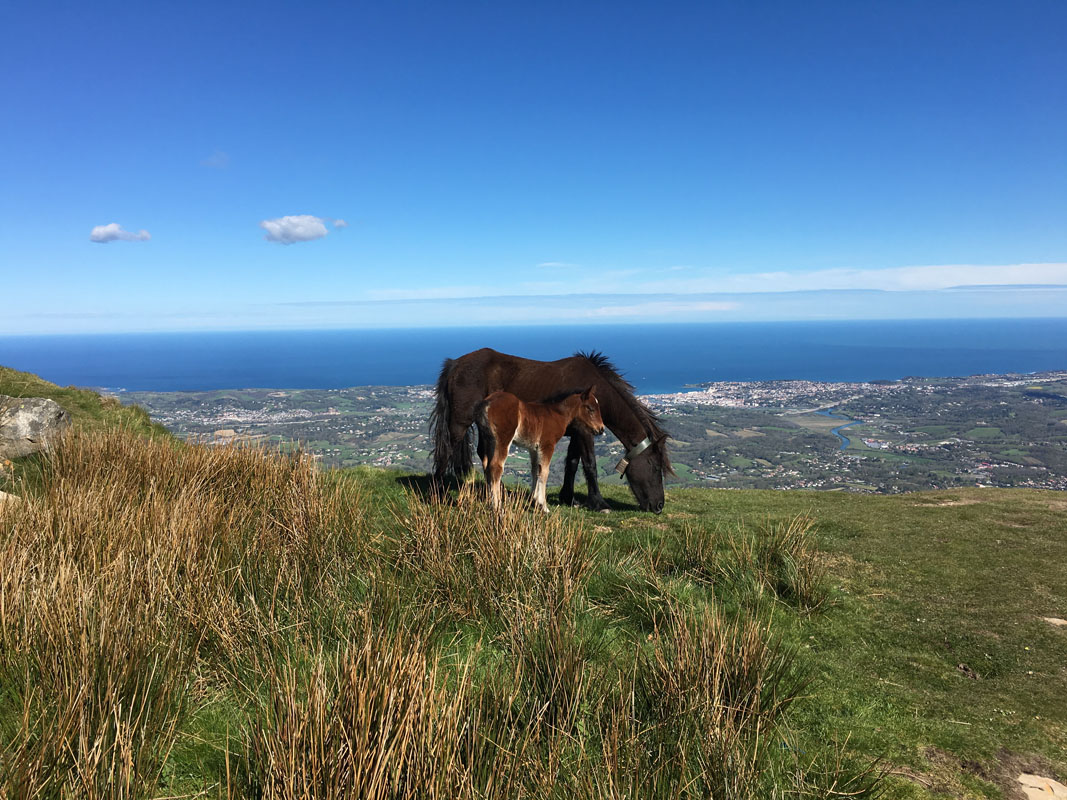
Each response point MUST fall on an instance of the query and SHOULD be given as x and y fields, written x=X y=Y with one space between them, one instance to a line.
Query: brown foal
x=503 y=418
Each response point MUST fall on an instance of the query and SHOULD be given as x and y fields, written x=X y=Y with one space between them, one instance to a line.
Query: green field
x=984 y=433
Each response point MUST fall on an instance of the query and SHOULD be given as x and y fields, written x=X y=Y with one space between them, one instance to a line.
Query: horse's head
x=644 y=472
x=589 y=412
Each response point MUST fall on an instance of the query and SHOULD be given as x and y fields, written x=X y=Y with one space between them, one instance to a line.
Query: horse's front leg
x=570 y=470
x=581 y=450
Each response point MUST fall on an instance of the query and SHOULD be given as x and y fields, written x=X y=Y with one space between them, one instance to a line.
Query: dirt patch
x=1057 y=505
x=940 y=503
x=946 y=768
x=747 y=433
x=1059 y=623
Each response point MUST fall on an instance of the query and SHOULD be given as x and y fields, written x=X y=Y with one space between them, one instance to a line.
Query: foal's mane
x=648 y=418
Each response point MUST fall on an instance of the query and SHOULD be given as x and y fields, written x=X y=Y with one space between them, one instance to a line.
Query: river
x=837 y=431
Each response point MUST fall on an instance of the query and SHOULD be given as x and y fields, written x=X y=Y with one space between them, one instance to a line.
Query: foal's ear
x=588 y=394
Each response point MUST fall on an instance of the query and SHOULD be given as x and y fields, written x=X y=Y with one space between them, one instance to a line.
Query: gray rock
x=29 y=425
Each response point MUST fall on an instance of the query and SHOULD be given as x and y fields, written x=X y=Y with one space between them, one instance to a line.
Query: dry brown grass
x=192 y=621
x=482 y=562
x=134 y=557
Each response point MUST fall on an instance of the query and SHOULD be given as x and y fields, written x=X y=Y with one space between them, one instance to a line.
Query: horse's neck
x=624 y=421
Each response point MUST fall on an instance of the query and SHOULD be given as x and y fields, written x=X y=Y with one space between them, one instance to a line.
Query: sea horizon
x=655 y=357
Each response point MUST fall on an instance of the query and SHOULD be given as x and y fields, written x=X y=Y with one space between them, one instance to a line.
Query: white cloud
x=217 y=160
x=557 y=265
x=430 y=293
x=661 y=308
x=296 y=228
x=893 y=279
x=340 y=223
x=113 y=232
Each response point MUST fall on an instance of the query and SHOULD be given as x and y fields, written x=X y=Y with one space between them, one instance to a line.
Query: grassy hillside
x=88 y=410
x=188 y=621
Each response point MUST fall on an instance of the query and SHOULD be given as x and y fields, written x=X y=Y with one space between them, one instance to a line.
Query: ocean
x=655 y=358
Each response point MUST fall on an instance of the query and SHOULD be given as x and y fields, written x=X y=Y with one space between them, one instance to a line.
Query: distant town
x=880 y=437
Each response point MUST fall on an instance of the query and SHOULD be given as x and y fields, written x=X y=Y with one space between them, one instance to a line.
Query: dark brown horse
x=502 y=418
x=464 y=382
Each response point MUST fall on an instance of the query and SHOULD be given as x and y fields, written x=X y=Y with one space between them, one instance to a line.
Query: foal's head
x=589 y=411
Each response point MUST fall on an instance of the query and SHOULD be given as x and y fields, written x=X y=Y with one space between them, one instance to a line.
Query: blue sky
x=483 y=163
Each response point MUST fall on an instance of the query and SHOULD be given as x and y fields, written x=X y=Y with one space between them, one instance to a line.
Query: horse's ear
x=588 y=394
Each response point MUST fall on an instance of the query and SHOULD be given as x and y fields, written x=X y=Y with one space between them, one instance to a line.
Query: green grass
x=924 y=583
x=579 y=654
x=934 y=430
x=984 y=433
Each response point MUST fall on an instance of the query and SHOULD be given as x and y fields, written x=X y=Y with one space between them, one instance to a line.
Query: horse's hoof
x=604 y=510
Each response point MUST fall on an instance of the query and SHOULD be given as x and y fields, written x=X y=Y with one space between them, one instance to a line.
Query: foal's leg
x=539 y=464
x=494 y=471
x=535 y=477
x=497 y=444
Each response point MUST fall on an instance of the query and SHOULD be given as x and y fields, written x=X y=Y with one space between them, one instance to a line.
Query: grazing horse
x=465 y=381
x=502 y=418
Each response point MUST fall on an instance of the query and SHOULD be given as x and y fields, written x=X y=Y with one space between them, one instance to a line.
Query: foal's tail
x=448 y=455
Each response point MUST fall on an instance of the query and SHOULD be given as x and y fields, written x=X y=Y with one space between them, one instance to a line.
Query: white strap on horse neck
x=635 y=451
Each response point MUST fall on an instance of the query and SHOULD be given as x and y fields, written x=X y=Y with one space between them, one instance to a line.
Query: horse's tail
x=448 y=455
x=486 y=437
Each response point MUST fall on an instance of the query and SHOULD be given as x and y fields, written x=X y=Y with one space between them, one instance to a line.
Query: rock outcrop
x=29 y=425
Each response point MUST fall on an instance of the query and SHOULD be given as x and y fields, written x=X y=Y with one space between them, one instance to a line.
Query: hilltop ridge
x=88 y=409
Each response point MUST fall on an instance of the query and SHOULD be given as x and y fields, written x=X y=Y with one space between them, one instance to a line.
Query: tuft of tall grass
x=712 y=690
x=789 y=563
x=477 y=561
x=128 y=563
x=778 y=558
x=94 y=667
x=381 y=717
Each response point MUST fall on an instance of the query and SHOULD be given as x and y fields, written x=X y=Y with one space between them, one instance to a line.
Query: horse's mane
x=559 y=397
x=649 y=419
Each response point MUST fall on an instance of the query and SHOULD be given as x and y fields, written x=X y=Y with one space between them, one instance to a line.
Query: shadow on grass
x=426 y=488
